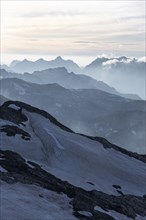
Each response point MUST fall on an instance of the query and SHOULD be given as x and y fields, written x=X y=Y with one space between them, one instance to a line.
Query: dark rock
x=107 y=144
x=97 y=216
x=82 y=200
x=36 y=110
x=41 y=196
x=12 y=162
x=100 y=216
x=12 y=115
x=33 y=164
x=13 y=130
x=80 y=216
x=91 y=183
x=120 y=192
x=117 y=186
x=7 y=178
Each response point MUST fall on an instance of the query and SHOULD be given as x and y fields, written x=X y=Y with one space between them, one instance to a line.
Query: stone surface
x=19 y=171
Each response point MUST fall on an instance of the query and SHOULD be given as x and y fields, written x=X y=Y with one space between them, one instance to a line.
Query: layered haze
x=117 y=72
x=73 y=110
x=78 y=31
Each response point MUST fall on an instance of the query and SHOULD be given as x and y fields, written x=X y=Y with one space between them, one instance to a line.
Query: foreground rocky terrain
x=85 y=204
x=46 y=166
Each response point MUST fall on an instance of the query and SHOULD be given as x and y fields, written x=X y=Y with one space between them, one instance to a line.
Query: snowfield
x=76 y=159
x=30 y=202
x=89 y=168
x=116 y=215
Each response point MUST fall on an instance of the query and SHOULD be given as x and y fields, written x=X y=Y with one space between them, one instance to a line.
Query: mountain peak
x=14 y=62
x=59 y=58
x=122 y=58
x=25 y=60
x=40 y=60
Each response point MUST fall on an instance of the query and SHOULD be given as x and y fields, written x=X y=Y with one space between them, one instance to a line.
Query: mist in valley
x=73 y=110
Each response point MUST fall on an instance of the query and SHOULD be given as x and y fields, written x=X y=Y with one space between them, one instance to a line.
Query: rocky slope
x=90 y=205
x=52 y=167
x=87 y=111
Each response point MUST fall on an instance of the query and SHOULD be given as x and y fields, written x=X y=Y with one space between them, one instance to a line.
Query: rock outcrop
x=27 y=172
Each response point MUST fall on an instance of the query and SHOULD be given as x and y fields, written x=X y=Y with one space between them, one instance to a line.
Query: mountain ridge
x=72 y=108
x=65 y=79
x=41 y=64
x=45 y=114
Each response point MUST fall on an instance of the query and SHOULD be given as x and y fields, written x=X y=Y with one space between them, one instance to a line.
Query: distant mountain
x=6 y=74
x=119 y=73
x=41 y=64
x=98 y=62
x=87 y=111
x=71 y=80
x=14 y=62
x=5 y=67
x=68 y=80
x=95 y=64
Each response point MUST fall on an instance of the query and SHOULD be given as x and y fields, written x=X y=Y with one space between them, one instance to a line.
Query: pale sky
x=79 y=30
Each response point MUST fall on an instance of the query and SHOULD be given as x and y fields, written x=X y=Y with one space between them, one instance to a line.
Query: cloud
x=114 y=62
x=127 y=18
x=141 y=59
x=110 y=62
x=132 y=36
x=85 y=28
x=118 y=60
x=85 y=42
x=35 y=14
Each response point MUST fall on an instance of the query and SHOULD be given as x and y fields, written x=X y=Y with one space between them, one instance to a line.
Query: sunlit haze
x=78 y=30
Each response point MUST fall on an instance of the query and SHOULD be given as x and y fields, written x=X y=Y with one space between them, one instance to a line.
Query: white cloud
x=113 y=62
x=110 y=62
x=142 y=59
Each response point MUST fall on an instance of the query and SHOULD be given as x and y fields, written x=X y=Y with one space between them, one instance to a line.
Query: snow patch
x=58 y=105
x=23 y=201
x=55 y=139
x=133 y=132
x=117 y=215
x=14 y=107
x=85 y=213
x=2 y=169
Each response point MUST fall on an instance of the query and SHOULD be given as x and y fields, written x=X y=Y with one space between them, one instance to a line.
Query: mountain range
x=68 y=80
x=86 y=111
x=41 y=64
x=72 y=140
x=117 y=72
